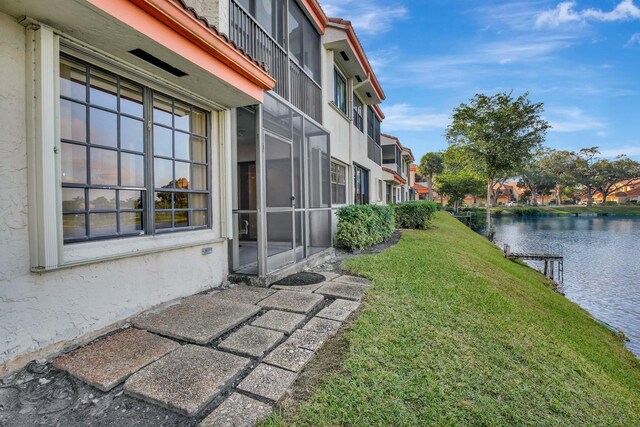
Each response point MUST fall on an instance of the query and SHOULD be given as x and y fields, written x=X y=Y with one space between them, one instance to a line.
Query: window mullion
x=149 y=212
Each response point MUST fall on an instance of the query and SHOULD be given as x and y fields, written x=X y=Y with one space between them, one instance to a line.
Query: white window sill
x=105 y=250
x=339 y=111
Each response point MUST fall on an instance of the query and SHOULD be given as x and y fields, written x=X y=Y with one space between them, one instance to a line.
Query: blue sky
x=581 y=58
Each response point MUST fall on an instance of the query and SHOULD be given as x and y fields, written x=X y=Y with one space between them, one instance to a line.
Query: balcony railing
x=374 y=151
x=305 y=93
x=249 y=36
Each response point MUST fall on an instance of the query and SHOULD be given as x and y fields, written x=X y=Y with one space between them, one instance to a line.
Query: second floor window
x=340 y=91
x=358 y=113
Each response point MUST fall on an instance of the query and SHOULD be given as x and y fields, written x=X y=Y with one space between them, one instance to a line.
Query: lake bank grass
x=452 y=333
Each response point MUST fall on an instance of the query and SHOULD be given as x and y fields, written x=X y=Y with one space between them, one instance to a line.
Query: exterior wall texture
x=40 y=310
x=215 y=11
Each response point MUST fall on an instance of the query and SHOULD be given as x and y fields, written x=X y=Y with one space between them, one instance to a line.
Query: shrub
x=415 y=214
x=362 y=226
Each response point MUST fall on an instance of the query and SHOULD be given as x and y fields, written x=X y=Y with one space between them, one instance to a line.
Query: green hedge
x=362 y=226
x=415 y=214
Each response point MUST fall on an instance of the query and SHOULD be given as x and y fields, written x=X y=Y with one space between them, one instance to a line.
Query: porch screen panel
x=319 y=166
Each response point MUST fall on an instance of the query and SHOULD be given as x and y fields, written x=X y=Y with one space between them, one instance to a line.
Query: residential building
x=155 y=147
x=396 y=160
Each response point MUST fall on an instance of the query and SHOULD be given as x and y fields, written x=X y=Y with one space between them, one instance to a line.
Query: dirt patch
x=301 y=279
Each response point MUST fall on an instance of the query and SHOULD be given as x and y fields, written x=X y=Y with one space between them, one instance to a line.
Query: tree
x=457 y=185
x=497 y=135
x=584 y=173
x=431 y=164
x=613 y=175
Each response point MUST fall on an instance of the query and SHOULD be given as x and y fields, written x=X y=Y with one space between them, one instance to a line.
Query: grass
x=565 y=210
x=454 y=334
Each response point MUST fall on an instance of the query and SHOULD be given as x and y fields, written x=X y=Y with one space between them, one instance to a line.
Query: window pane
x=72 y=199
x=181 y=145
x=130 y=222
x=102 y=200
x=74 y=163
x=163 y=200
x=130 y=99
x=104 y=167
x=73 y=121
x=104 y=128
x=181 y=218
x=198 y=122
x=103 y=90
x=199 y=218
x=73 y=226
x=130 y=199
x=311 y=51
x=163 y=220
x=182 y=117
x=131 y=134
x=278 y=170
x=162 y=141
x=162 y=110
x=180 y=200
x=182 y=175
x=102 y=224
x=199 y=178
x=163 y=173
x=132 y=170
x=199 y=150
x=199 y=201
x=73 y=80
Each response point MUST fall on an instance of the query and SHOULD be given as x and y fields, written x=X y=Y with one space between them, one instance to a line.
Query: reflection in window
x=103 y=157
x=361 y=185
x=340 y=91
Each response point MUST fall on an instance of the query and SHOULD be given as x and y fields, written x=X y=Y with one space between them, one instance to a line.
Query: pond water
x=601 y=262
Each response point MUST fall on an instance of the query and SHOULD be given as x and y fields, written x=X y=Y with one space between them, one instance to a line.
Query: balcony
x=374 y=151
x=292 y=82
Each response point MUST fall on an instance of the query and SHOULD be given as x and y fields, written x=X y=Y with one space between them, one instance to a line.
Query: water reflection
x=601 y=271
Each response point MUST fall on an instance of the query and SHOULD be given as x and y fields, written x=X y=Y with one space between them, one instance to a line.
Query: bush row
x=362 y=226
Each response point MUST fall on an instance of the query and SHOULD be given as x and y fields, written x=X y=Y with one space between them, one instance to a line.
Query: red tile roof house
x=148 y=153
x=396 y=161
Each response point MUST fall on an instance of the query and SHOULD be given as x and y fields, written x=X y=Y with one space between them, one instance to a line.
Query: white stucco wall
x=215 y=11
x=40 y=310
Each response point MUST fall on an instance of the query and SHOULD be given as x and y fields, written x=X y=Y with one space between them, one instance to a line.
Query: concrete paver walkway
x=234 y=353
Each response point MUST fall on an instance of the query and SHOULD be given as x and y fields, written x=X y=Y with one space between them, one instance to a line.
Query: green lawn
x=454 y=334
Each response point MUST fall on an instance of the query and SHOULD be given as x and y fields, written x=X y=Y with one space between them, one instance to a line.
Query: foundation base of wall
x=265 y=282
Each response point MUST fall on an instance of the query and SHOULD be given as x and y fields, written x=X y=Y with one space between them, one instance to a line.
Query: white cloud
x=565 y=13
x=405 y=117
x=635 y=39
x=573 y=119
x=367 y=17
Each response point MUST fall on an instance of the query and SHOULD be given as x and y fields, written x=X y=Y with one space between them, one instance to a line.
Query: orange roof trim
x=316 y=12
x=353 y=39
x=396 y=177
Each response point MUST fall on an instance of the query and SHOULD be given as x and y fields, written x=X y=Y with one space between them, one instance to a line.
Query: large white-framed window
x=338 y=184
x=80 y=174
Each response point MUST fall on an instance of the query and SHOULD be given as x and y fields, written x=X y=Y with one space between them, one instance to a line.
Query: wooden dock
x=550 y=258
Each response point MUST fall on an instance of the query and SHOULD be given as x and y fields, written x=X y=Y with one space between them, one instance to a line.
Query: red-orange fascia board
x=356 y=46
x=396 y=177
x=169 y=24
x=317 y=14
x=378 y=111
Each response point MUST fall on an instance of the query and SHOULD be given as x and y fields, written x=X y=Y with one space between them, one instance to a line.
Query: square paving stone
x=187 y=379
x=198 y=319
x=244 y=294
x=283 y=321
x=289 y=356
x=268 y=382
x=329 y=275
x=322 y=326
x=237 y=411
x=354 y=280
x=301 y=288
x=342 y=290
x=298 y=302
x=106 y=363
x=339 y=310
x=252 y=341
x=308 y=340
